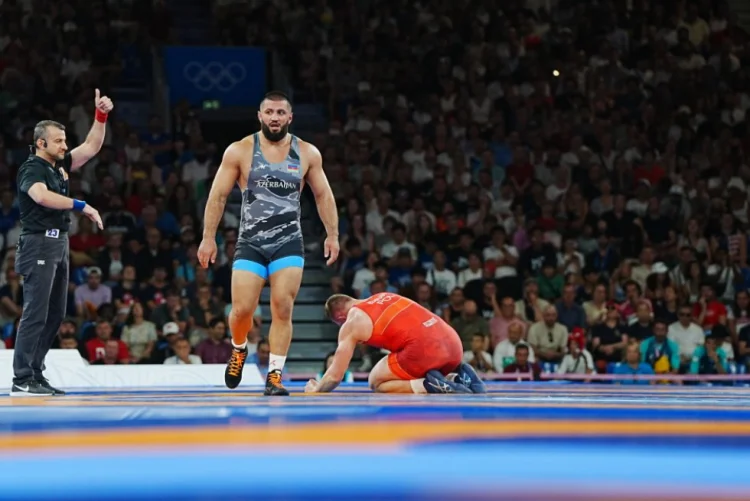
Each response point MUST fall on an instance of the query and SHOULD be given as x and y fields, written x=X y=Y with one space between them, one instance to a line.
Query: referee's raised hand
x=93 y=214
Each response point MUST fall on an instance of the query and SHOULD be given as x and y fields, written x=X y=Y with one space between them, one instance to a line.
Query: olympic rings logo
x=214 y=75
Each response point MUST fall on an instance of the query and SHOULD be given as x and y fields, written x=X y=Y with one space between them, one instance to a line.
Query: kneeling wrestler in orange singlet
x=425 y=352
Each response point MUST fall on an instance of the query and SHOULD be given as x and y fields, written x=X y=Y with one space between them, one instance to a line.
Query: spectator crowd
x=567 y=188
x=565 y=182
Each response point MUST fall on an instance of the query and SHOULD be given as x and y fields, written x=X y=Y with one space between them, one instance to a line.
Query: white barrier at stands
x=66 y=369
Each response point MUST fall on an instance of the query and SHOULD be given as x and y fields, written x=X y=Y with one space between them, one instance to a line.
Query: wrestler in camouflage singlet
x=270 y=236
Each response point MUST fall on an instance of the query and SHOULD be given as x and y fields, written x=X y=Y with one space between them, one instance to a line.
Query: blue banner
x=234 y=76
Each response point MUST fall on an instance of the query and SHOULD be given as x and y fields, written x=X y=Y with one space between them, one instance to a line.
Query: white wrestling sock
x=417 y=385
x=240 y=346
x=451 y=377
x=276 y=362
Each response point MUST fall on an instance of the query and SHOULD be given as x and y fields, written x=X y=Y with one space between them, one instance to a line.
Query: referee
x=42 y=252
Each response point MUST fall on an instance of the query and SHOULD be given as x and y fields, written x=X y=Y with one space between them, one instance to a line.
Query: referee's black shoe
x=30 y=389
x=57 y=391
x=233 y=372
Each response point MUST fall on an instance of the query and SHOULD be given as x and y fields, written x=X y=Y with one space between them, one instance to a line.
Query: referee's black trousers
x=43 y=260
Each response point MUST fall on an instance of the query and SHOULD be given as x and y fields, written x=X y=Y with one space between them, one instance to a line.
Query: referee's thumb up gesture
x=93 y=214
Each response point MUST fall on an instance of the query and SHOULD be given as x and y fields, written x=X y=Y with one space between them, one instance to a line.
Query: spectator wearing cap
x=548 y=338
x=578 y=360
x=657 y=281
x=570 y=313
x=633 y=366
x=164 y=348
x=92 y=294
x=96 y=348
x=139 y=335
x=687 y=334
x=660 y=352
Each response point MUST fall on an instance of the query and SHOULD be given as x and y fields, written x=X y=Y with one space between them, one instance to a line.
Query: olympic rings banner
x=235 y=76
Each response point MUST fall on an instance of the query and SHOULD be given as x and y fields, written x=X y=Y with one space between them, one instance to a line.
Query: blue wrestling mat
x=541 y=441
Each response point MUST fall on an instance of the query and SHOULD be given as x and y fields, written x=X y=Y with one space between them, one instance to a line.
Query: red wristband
x=100 y=116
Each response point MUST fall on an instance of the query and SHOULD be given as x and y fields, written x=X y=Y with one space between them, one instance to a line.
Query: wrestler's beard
x=274 y=136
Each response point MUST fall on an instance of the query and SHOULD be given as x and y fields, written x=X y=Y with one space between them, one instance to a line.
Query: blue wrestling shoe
x=468 y=377
x=434 y=382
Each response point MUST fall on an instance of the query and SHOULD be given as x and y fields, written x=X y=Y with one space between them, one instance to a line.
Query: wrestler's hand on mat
x=311 y=386
x=207 y=252
x=331 y=248
x=102 y=103
x=93 y=214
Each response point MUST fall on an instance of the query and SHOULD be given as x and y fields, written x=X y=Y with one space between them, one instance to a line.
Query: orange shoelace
x=275 y=379
x=237 y=362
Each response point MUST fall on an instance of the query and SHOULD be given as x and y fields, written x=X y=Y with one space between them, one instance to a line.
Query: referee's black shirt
x=34 y=217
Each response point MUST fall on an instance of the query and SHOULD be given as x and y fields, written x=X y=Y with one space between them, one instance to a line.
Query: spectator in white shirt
x=475 y=270
x=505 y=351
x=363 y=277
x=374 y=218
x=578 y=360
x=439 y=277
x=687 y=334
x=504 y=256
x=182 y=354
x=398 y=241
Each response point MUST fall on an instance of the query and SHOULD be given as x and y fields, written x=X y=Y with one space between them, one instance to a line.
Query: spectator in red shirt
x=708 y=311
x=521 y=364
x=111 y=353
x=649 y=170
x=86 y=240
x=97 y=347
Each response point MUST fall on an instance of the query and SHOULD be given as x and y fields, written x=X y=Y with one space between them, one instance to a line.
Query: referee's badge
x=63 y=174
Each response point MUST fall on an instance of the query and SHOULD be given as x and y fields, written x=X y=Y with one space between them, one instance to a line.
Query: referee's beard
x=51 y=155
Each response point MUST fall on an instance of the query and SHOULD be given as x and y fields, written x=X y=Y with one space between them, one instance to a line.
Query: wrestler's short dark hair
x=277 y=95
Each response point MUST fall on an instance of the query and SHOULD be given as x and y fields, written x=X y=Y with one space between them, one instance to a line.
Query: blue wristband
x=78 y=205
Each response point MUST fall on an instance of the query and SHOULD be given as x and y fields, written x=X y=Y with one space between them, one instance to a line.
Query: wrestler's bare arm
x=356 y=329
x=326 y=202
x=227 y=176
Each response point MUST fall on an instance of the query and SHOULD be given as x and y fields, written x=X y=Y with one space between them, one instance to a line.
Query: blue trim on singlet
x=286 y=262
x=251 y=266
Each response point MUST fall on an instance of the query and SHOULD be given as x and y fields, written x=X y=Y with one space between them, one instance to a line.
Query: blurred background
x=565 y=182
